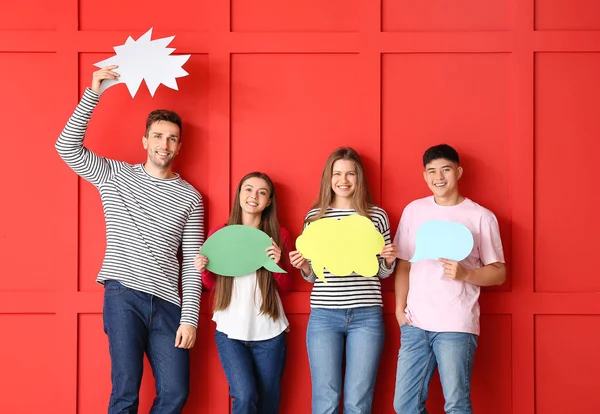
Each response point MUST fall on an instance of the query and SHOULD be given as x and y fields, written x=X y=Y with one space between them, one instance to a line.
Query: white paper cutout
x=147 y=60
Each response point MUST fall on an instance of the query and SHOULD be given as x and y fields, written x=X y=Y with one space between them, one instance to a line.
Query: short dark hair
x=444 y=151
x=163 y=115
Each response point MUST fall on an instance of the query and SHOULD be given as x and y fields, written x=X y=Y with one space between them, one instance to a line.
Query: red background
x=276 y=86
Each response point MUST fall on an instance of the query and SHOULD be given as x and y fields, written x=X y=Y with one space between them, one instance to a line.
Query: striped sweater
x=148 y=220
x=350 y=291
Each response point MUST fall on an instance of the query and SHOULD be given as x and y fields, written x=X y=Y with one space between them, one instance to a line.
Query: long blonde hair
x=361 y=198
x=266 y=283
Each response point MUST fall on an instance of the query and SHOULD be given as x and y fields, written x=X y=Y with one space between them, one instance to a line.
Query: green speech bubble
x=238 y=250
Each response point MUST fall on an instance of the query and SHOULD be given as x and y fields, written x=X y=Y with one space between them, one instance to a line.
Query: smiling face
x=162 y=142
x=441 y=176
x=344 y=178
x=255 y=196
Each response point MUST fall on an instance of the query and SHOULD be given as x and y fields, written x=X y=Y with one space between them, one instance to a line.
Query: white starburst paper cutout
x=145 y=59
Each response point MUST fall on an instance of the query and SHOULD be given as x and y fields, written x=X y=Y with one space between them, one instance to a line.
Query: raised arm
x=69 y=145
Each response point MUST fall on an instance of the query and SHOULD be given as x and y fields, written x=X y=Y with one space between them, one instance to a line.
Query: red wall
x=277 y=85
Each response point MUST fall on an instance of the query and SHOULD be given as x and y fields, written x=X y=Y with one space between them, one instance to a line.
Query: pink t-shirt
x=435 y=302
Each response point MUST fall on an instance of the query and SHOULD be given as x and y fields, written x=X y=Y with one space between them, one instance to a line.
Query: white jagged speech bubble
x=147 y=60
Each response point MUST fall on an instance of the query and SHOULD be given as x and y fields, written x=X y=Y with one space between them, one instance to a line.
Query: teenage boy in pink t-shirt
x=437 y=300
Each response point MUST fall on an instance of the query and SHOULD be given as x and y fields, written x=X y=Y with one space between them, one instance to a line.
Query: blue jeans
x=420 y=352
x=138 y=323
x=253 y=370
x=360 y=333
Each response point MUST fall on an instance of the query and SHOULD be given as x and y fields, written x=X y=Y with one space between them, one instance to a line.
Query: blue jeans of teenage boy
x=138 y=323
x=360 y=333
x=420 y=352
x=253 y=370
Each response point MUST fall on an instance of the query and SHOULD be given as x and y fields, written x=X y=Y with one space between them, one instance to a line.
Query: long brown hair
x=361 y=198
x=266 y=283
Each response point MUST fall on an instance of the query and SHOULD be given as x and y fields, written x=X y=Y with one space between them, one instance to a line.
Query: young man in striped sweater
x=150 y=214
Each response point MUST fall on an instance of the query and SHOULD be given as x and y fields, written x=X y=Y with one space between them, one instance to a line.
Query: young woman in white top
x=251 y=323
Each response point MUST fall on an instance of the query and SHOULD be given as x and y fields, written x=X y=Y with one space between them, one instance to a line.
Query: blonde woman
x=346 y=313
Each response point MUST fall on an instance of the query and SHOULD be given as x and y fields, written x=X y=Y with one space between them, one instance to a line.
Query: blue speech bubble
x=442 y=239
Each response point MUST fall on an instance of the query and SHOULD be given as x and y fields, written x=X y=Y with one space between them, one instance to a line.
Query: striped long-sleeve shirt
x=352 y=291
x=147 y=220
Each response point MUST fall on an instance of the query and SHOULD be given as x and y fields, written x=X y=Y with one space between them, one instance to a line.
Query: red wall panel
x=567 y=131
x=30 y=197
x=294 y=16
x=565 y=366
x=276 y=86
x=436 y=15
x=18 y=15
x=29 y=342
x=141 y=15
x=563 y=15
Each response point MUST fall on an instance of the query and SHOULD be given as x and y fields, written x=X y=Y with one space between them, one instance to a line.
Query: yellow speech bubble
x=342 y=246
